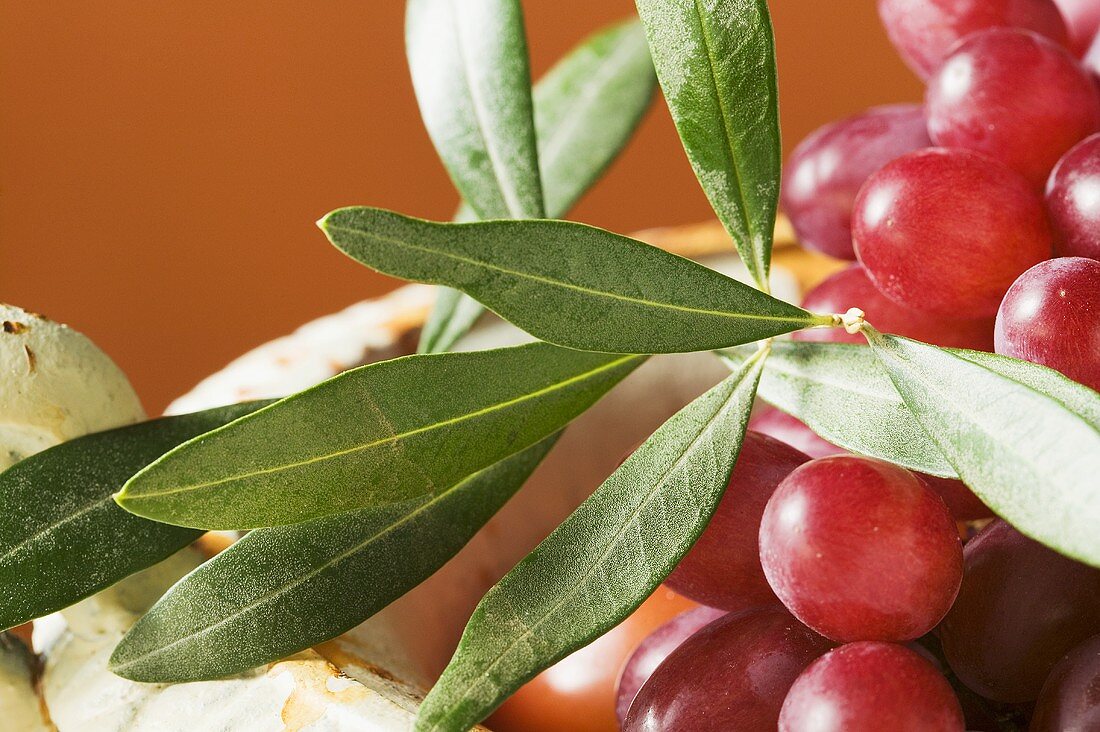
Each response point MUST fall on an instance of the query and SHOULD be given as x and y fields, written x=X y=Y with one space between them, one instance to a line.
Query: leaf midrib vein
x=88 y=508
x=977 y=417
x=302 y=579
x=564 y=285
x=511 y=198
x=735 y=166
x=392 y=438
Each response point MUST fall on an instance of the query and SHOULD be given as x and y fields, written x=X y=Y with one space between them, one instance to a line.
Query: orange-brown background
x=161 y=164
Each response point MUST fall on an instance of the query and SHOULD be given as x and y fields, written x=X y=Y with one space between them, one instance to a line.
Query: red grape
x=1073 y=199
x=1020 y=608
x=1082 y=21
x=871 y=686
x=654 y=649
x=1070 y=699
x=1014 y=96
x=852 y=288
x=859 y=549
x=723 y=568
x=785 y=428
x=1051 y=315
x=924 y=31
x=826 y=170
x=731 y=675
x=960 y=500
x=948 y=231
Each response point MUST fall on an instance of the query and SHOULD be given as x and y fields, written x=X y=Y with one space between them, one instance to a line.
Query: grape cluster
x=841 y=592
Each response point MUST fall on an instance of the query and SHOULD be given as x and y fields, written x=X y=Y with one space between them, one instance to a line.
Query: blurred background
x=162 y=164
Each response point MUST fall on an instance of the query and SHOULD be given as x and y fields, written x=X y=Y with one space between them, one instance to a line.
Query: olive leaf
x=716 y=64
x=473 y=81
x=570 y=284
x=586 y=108
x=382 y=433
x=63 y=538
x=843 y=393
x=453 y=314
x=1028 y=455
x=283 y=589
x=602 y=561
x=1076 y=397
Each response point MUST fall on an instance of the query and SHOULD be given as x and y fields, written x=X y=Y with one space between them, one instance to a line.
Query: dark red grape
x=1051 y=315
x=853 y=288
x=948 y=231
x=1014 y=96
x=823 y=176
x=1073 y=199
x=960 y=500
x=924 y=31
x=654 y=649
x=785 y=428
x=871 y=686
x=731 y=675
x=723 y=568
x=859 y=549
x=1020 y=608
x=1070 y=699
x=1082 y=21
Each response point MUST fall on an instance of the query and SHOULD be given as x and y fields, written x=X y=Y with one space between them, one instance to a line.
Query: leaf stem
x=851 y=321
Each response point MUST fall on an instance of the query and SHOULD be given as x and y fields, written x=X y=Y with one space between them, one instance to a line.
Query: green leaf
x=453 y=312
x=570 y=284
x=586 y=108
x=378 y=434
x=63 y=538
x=1076 y=397
x=602 y=562
x=452 y=316
x=473 y=82
x=1026 y=454
x=843 y=394
x=716 y=64
x=280 y=590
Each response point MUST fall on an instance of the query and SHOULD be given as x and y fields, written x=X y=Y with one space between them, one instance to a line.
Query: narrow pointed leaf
x=602 y=562
x=843 y=394
x=379 y=434
x=472 y=79
x=63 y=538
x=453 y=314
x=280 y=590
x=1076 y=397
x=586 y=108
x=1026 y=454
x=716 y=64
x=570 y=284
